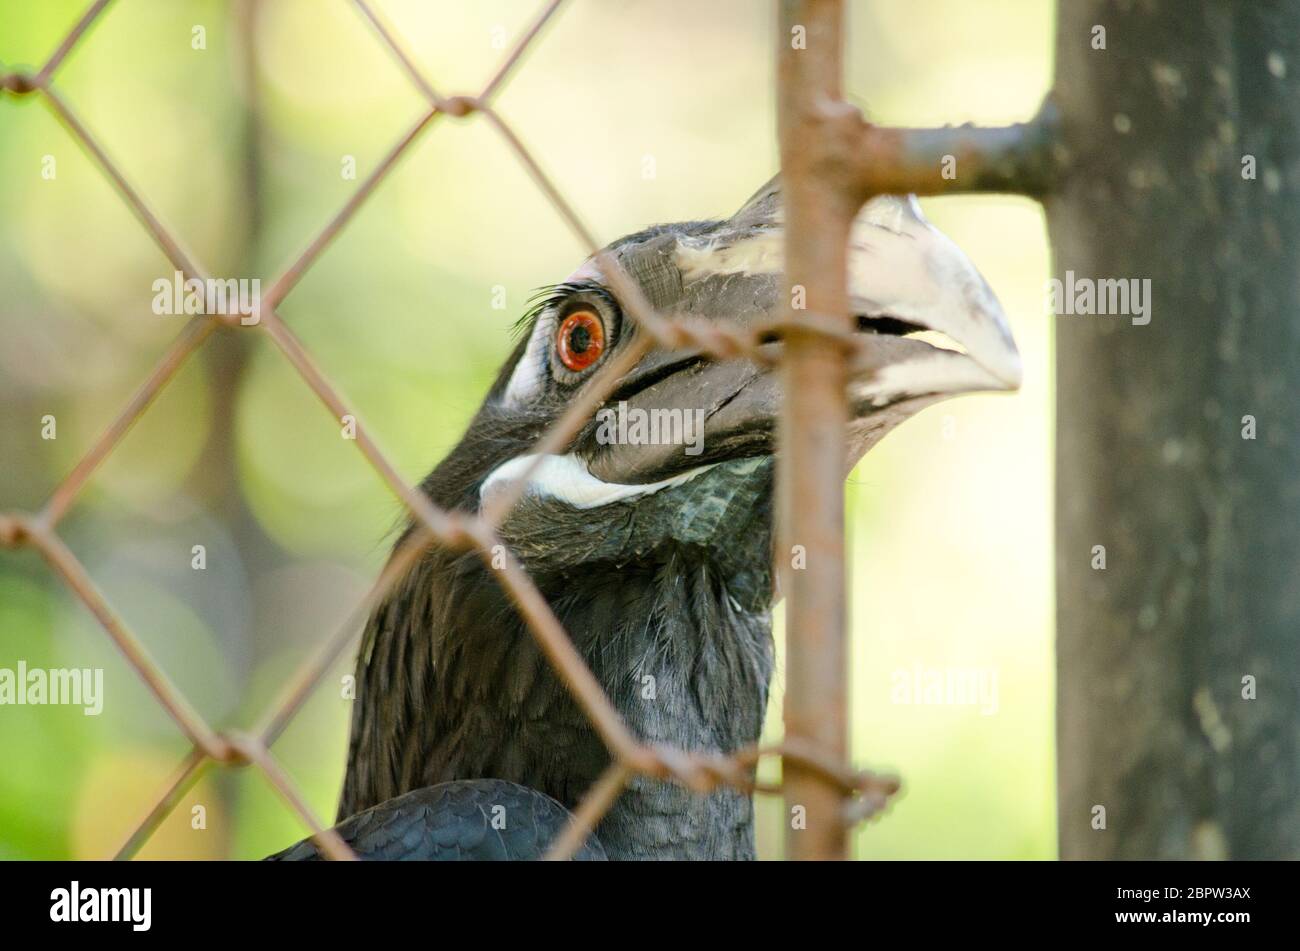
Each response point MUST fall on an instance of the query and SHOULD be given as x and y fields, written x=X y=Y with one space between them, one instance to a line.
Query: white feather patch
x=566 y=479
x=698 y=258
x=529 y=373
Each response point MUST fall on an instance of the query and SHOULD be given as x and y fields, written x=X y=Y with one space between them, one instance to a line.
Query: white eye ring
x=530 y=372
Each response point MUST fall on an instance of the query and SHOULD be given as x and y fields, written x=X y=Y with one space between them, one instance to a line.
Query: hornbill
x=656 y=557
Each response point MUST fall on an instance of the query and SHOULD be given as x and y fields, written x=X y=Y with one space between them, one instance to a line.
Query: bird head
x=681 y=450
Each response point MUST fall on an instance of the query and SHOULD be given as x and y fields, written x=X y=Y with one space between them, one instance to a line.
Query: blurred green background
x=642 y=112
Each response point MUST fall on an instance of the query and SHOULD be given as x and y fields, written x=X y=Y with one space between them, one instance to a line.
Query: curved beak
x=905 y=277
x=905 y=269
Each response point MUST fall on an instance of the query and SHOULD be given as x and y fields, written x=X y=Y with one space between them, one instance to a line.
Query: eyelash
x=554 y=296
x=558 y=299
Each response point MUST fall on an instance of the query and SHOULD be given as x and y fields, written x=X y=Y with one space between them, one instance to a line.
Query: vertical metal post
x=1177 y=458
x=810 y=468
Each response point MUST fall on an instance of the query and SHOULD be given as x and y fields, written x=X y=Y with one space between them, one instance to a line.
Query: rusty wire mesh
x=698 y=771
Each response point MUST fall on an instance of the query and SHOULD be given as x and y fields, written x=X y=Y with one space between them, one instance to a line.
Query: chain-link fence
x=880 y=163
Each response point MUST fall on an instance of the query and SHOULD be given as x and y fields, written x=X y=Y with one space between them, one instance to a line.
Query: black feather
x=474 y=820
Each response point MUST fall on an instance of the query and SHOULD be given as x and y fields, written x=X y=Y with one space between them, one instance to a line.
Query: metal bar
x=1022 y=158
x=600 y=798
x=629 y=293
x=399 y=52
x=310 y=674
x=811 y=456
x=568 y=663
x=557 y=438
x=1166 y=750
x=165 y=240
x=437 y=520
x=293 y=274
x=326 y=839
x=173 y=701
x=190 y=770
x=191 y=337
x=74 y=36
x=521 y=46
x=541 y=620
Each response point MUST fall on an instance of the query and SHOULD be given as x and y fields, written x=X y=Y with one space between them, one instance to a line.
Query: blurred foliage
x=950 y=532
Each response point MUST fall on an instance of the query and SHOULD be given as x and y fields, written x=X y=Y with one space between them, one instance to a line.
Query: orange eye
x=580 y=340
